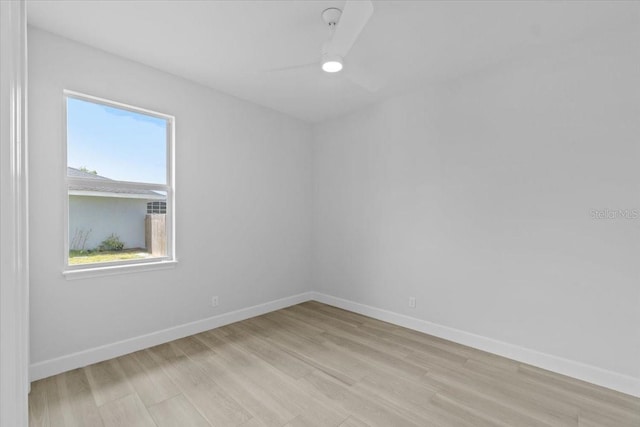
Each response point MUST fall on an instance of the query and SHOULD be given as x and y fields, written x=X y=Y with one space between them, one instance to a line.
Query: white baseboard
x=571 y=368
x=65 y=363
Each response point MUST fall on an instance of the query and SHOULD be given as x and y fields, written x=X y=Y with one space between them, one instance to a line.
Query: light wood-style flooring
x=316 y=365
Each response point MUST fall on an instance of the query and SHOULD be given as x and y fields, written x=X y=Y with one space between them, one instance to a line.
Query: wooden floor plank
x=177 y=411
x=346 y=330
x=591 y=418
x=147 y=378
x=254 y=343
x=38 y=409
x=127 y=411
x=56 y=405
x=582 y=388
x=217 y=406
x=108 y=382
x=251 y=397
x=378 y=356
x=253 y=422
x=354 y=422
x=536 y=406
x=76 y=405
x=281 y=390
x=320 y=355
x=488 y=409
x=510 y=383
x=352 y=401
x=468 y=415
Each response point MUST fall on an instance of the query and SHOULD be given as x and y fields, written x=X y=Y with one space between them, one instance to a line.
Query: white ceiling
x=231 y=45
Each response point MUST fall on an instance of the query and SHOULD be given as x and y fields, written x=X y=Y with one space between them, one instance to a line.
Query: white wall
x=476 y=198
x=242 y=193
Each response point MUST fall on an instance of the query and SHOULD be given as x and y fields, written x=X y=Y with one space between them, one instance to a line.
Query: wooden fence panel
x=156 y=234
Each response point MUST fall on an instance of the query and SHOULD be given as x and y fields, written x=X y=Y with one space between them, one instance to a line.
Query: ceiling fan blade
x=354 y=17
x=362 y=78
x=314 y=64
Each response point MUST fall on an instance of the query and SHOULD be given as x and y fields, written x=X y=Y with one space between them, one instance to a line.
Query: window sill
x=111 y=270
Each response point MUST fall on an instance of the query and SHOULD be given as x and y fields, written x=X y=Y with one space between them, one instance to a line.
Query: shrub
x=79 y=240
x=111 y=243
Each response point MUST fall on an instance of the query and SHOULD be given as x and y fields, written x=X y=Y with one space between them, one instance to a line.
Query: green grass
x=84 y=257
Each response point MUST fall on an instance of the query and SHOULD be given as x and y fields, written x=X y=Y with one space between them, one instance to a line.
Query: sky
x=116 y=143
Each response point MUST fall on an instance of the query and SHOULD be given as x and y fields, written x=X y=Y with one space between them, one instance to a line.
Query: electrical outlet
x=412 y=302
x=214 y=301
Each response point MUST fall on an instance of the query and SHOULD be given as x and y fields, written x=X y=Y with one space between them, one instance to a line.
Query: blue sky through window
x=116 y=143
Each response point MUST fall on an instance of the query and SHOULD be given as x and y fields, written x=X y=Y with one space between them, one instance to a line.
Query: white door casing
x=14 y=269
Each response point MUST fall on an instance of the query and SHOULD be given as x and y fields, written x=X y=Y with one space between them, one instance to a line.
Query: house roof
x=98 y=190
x=78 y=173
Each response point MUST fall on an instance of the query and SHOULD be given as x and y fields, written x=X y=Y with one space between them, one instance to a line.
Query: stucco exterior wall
x=101 y=216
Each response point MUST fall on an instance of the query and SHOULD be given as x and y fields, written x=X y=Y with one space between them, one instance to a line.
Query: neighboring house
x=96 y=212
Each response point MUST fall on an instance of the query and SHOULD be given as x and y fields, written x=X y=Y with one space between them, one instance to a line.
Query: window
x=157 y=207
x=119 y=184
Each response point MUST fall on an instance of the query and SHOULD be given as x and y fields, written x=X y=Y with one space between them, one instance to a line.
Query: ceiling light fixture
x=331 y=63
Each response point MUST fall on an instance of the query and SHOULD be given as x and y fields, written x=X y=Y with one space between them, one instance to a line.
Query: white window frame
x=117 y=267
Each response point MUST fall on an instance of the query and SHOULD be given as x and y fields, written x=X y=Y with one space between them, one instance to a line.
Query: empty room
x=318 y=213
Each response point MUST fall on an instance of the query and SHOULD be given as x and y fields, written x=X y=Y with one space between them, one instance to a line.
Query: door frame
x=14 y=217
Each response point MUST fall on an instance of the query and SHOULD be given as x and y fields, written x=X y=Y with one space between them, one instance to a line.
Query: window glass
x=116 y=143
x=117 y=174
